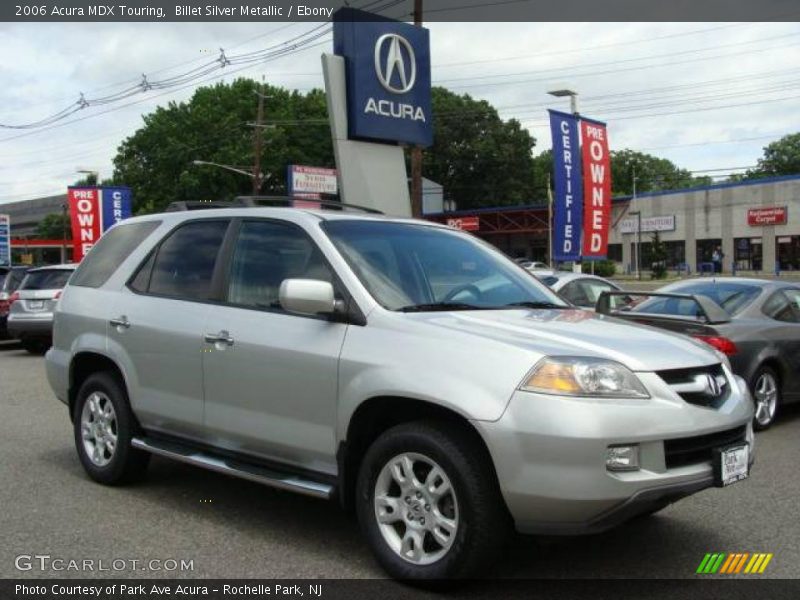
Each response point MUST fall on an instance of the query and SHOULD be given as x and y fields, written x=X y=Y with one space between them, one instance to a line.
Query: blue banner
x=116 y=205
x=5 y=240
x=568 y=187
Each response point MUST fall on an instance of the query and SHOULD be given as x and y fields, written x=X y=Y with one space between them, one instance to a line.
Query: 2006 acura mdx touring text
x=407 y=369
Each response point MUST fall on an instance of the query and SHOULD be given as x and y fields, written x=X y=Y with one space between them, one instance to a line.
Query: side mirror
x=307 y=296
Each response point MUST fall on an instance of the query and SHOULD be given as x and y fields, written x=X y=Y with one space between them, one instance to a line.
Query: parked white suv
x=408 y=369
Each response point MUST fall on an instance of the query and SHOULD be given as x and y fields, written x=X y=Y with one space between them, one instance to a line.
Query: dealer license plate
x=731 y=464
x=35 y=304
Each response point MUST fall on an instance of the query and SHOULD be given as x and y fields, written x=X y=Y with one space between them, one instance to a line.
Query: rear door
x=158 y=324
x=271 y=386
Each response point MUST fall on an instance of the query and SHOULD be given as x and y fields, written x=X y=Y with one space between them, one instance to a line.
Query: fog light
x=622 y=458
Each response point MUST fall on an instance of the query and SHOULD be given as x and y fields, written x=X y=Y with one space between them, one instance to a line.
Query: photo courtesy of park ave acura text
x=399 y=299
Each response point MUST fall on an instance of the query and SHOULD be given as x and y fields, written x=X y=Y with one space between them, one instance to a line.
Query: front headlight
x=579 y=376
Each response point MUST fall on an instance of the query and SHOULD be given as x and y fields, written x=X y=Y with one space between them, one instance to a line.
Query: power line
x=626 y=60
x=572 y=75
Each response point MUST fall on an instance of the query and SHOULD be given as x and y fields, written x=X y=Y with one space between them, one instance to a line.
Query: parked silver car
x=581 y=289
x=409 y=370
x=30 y=316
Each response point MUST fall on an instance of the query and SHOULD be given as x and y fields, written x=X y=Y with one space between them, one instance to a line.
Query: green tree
x=480 y=159
x=781 y=157
x=658 y=256
x=652 y=173
x=215 y=125
x=53 y=227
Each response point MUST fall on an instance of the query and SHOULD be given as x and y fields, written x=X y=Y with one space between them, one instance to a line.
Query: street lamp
x=638 y=215
x=96 y=174
x=257 y=178
x=573 y=98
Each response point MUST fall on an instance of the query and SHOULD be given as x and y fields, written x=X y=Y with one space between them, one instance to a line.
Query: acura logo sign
x=400 y=61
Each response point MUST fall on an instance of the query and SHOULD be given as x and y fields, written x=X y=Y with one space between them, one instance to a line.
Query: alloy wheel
x=766 y=396
x=99 y=429
x=416 y=508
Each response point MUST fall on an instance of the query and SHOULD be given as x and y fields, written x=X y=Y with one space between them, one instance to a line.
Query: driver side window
x=266 y=253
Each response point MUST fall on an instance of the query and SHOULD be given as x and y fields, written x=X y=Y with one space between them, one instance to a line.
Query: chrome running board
x=227 y=466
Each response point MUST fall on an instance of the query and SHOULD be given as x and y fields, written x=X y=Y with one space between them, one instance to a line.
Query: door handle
x=120 y=322
x=223 y=337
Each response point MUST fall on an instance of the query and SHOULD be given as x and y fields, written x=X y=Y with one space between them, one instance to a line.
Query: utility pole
x=638 y=225
x=257 y=140
x=63 y=233
x=416 y=151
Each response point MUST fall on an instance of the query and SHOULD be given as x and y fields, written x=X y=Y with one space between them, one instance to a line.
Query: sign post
x=378 y=86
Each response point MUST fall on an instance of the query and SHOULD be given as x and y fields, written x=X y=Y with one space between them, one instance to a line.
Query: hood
x=576 y=332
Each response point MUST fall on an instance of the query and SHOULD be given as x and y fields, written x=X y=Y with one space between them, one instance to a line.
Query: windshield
x=51 y=279
x=407 y=266
x=732 y=297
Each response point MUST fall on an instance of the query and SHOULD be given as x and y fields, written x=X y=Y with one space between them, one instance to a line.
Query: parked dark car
x=755 y=322
x=30 y=317
x=10 y=278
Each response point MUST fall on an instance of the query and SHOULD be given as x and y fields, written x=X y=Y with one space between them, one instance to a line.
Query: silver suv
x=407 y=369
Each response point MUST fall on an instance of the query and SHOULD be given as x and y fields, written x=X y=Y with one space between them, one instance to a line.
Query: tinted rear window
x=51 y=279
x=108 y=254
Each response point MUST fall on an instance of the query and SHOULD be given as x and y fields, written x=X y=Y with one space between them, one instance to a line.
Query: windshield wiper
x=440 y=306
x=536 y=304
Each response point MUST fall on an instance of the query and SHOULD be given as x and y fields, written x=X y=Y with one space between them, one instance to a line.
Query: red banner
x=465 y=223
x=775 y=215
x=596 y=189
x=84 y=210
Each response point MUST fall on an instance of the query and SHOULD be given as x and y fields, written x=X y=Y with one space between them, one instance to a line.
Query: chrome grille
x=702 y=386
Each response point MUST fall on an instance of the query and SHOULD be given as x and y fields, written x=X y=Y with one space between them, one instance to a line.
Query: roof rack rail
x=290 y=202
x=182 y=205
x=254 y=201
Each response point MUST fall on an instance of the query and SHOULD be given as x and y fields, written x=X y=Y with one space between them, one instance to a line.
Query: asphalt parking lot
x=236 y=529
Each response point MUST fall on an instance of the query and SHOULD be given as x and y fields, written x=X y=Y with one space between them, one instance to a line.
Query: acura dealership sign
x=388 y=78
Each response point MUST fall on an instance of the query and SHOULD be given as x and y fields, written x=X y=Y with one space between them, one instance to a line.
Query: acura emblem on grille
x=713 y=387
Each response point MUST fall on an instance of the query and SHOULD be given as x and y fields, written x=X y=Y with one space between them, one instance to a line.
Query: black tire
x=764 y=420
x=35 y=346
x=483 y=521
x=126 y=463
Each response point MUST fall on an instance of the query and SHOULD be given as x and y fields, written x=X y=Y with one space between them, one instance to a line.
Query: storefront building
x=753 y=225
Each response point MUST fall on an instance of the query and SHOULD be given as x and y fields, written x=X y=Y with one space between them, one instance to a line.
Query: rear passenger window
x=783 y=306
x=109 y=252
x=184 y=263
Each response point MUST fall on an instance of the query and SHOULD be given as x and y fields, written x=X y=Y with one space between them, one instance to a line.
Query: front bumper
x=549 y=453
